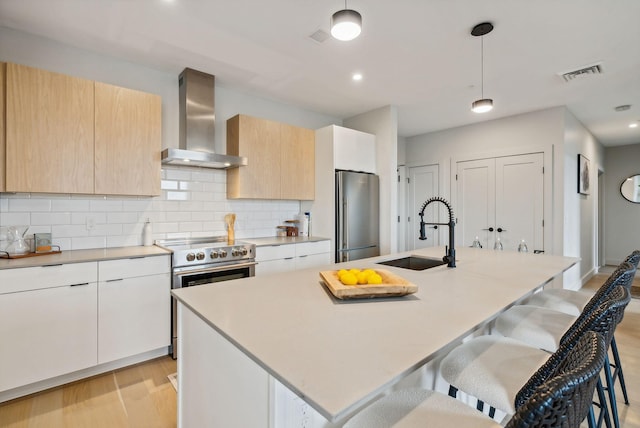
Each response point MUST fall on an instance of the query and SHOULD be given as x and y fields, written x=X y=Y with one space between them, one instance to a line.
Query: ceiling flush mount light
x=357 y=76
x=633 y=125
x=346 y=24
x=482 y=105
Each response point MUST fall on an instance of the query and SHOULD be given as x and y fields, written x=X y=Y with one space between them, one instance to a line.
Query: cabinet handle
x=501 y=229
x=78 y=285
x=138 y=257
x=288 y=258
x=114 y=280
x=54 y=265
x=303 y=256
x=489 y=229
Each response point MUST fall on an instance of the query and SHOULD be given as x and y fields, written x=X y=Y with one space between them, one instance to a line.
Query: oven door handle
x=214 y=269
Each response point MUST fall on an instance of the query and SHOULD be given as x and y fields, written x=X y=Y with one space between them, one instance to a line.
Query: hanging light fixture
x=346 y=24
x=482 y=105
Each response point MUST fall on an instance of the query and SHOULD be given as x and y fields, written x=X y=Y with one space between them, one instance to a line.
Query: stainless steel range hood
x=197 y=125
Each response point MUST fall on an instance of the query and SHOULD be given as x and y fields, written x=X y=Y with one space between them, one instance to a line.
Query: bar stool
x=490 y=367
x=564 y=398
x=546 y=328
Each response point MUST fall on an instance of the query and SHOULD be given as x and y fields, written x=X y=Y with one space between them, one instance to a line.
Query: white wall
x=581 y=211
x=622 y=218
x=570 y=219
x=383 y=123
x=539 y=131
x=193 y=201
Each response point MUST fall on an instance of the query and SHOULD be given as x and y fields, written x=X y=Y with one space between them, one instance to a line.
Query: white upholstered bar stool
x=571 y=302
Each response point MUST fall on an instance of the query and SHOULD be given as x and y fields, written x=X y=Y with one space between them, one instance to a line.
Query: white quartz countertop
x=283 y=240
x=338 y=355
x=79 y=256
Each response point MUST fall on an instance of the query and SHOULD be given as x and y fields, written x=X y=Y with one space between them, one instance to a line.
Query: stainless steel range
x=199 y=261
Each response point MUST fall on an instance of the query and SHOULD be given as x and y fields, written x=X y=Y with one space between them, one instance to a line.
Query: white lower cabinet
x=286 y=257
x=134 y=307
x=47 y=332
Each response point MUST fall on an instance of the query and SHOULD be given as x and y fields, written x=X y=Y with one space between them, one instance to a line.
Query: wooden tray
x=392 y=285
x=5 y=255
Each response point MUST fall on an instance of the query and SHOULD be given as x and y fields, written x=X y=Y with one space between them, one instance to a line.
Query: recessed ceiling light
x=633 y=125
x=357 y=76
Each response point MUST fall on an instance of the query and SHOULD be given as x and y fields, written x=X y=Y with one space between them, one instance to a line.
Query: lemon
x=354 y=271
x=342 y=272
x=349 y=279
x=374 y=279
x=362 y=278
x=368 y=272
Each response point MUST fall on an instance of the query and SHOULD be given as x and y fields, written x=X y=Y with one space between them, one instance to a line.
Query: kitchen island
x=241 y=339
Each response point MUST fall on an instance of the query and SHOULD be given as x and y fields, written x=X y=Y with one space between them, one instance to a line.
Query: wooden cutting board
x=392 y=285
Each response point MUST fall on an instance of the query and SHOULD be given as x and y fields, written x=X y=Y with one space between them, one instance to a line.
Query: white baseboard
x=80 y=374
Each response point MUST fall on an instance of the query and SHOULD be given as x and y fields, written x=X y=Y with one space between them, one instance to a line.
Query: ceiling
x=415 y=54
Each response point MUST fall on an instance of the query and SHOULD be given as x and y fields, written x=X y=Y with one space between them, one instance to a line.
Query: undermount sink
x=414 y=263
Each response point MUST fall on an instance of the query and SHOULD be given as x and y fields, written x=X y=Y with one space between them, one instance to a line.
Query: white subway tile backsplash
x=177 y=196
x=83 y=243
x=178 y=174
x=29 y=205
x=105 y=205
x=67 y=205
x=193 y=203
x=50 y=218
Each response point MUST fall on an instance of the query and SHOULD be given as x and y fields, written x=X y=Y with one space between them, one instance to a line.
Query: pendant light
x=482 y=105
x=346 y=24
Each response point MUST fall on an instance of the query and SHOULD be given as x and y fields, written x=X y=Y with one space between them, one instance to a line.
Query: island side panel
x=218 y=385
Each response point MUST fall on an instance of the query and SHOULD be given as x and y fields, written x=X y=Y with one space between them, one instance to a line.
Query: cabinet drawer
x=129 y=268
x=35 y=278
x=313 y=260
x=273 y=252
x=307 y=248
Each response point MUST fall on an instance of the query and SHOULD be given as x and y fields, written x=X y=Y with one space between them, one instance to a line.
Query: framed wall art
x=583 y=175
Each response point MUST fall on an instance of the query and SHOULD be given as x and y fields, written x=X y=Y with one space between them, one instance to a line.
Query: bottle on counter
x=308 y=216
x=522 y=247
x=498 y=245
x=147 y=238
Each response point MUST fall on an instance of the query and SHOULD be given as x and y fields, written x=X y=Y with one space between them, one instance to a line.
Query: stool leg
x=604 y=411
x=611 y=392
x=617 y=372
x=480 y=405
x=492 y=412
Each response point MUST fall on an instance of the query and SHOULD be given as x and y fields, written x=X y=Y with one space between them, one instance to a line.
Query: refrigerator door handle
x=345 y=234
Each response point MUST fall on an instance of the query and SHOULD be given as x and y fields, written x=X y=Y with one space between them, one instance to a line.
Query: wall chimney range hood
x=197 y=125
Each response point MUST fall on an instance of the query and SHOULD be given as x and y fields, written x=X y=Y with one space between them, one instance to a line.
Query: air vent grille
x=319 y=36
x=582 y=72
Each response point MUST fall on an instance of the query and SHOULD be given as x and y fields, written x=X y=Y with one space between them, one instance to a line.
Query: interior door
x=520 y=201
x=423 y=184
x=475 y=202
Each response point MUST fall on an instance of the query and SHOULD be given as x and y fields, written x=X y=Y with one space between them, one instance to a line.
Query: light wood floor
x=142 y=396
x=136 y=396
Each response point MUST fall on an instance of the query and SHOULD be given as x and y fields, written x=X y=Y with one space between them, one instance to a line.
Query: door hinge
x=409 y=219
x=542 y=222
x=456 y=177
x=408 y=180
x=398 y=219
x=398 y=179
x=543 y=170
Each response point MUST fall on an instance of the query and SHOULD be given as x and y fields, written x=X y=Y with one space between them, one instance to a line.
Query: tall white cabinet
x=337 y=148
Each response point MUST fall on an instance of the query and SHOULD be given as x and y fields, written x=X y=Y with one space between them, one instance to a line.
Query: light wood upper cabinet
x=49 y=132
x=281 y=160
x=297 y=174
x=3 y=67
x=127 y=141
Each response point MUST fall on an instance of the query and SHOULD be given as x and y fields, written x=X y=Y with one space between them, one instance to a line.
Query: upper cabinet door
x=259 y=140
x=2 y=126
x=127 y=141
x=49 y=132
x=297 y=175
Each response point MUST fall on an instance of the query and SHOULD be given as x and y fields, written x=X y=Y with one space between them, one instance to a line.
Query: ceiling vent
x=319 y=36
x=582 y=72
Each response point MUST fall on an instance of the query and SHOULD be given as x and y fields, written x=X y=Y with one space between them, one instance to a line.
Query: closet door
x=520 y=201
x=423 y=184
x=476 y=202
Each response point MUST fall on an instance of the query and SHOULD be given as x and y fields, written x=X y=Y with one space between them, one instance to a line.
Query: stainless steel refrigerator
x=357 y=216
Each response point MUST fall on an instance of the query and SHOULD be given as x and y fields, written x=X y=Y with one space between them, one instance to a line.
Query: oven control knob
x=223 y=254
x=214 y=255
x=200 y=256
x=244 y=251
x=235 y=252
x=191 y=257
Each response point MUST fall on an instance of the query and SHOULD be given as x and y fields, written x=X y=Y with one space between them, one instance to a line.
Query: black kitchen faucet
x=450 y=251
